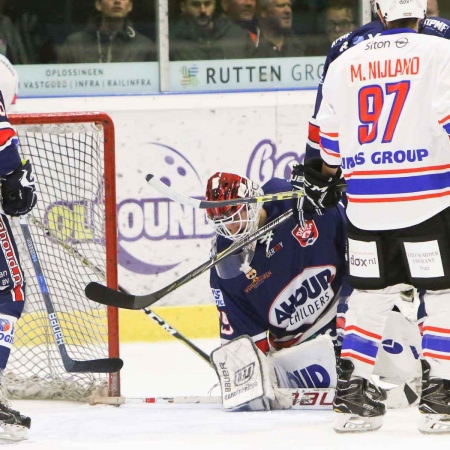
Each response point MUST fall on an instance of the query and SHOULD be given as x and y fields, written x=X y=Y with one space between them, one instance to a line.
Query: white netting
x=68 y=229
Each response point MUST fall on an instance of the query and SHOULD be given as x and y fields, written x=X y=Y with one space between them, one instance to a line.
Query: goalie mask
x=401 y=9
x=237 y=221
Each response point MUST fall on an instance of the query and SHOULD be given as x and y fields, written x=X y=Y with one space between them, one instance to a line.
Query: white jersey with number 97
x=385 y=118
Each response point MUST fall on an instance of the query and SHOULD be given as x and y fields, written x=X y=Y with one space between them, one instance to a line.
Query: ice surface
x=169 y=369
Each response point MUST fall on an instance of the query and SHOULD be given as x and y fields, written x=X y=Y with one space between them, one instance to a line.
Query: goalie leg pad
x=398 y=361
x=247 y=377
x=311 y=364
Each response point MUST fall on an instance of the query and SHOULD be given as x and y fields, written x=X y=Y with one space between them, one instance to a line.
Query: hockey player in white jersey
x=385 y=126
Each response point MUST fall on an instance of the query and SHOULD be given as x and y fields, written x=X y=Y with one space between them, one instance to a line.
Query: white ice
x=170 y=369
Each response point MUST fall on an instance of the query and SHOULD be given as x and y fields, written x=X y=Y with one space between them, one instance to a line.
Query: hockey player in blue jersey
x=434 y=26
x=279 y=297
x=18 y=198
x=281 y=291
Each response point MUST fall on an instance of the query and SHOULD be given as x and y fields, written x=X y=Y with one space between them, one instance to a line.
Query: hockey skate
x=14 y=426
x=357 y=402
x=434 y=403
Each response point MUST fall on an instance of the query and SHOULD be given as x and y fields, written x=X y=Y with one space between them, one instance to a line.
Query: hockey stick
x=203 y=204
x=302 y=398
x=159 y=320
x=107 y=296
x=400 y=396
x=106 y=365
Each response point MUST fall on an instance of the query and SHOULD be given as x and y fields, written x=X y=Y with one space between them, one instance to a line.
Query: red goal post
x=75 y=233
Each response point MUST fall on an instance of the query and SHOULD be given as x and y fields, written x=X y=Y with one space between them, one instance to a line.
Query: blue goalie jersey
x=434 y=26
x=289 y=282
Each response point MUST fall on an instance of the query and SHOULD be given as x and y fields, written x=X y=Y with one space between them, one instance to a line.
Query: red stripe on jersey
x=263 y=345
x=334 y=155
x=340 y=322
x=279 y=345
x=359 y=358
x=444 y=119
x=313 y=133
x=15 y=271
x=360 y=330
x=18 y=293
x=435 y=355
x=397 y=171
x=396 y=199
x=436 y=329
x=331 y=135
x=5 y=135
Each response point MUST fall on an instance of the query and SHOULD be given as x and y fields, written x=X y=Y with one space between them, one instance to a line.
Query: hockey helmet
x=401 y=9
x=237 y=221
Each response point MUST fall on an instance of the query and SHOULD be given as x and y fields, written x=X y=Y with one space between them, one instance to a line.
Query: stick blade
x=110 y=297
x=107 y=365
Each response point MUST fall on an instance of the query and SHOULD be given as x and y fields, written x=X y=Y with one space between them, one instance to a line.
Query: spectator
x=276 y=37
x=109 y=37
x=432 y=8
x=11 y=44
x=200 y=35
x=242 y=12
x=339 y=19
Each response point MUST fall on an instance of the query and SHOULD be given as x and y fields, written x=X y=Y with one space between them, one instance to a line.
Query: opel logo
x=402 y=42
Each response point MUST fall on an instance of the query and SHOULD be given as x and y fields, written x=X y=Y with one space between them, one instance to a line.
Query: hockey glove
x=320 y=191
x=19 y=190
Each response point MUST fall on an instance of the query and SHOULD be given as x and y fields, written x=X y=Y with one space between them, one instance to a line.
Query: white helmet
x=402 y=9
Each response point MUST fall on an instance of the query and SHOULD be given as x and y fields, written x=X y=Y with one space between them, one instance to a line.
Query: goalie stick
x=107 y=296
x=105 y=365
x=203 y=204
x=302 y=398
x=398 y=396
x=156 y=318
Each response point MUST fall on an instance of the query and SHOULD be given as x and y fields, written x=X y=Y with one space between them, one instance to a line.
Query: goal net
x=74 y=230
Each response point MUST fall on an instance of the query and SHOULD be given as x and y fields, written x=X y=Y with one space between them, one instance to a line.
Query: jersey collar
x=398 y=31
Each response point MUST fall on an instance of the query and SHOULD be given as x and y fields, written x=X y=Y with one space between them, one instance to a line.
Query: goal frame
x=105 y=121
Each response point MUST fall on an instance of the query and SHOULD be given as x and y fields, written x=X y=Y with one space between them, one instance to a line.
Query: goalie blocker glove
x=19 y=190
x=320 y=191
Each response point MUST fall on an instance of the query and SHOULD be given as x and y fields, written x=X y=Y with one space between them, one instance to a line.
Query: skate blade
x=434 y=424
x=352 y=423
x=13 y=432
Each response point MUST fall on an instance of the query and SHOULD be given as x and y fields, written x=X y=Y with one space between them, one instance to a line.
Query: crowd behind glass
x=88 y=31
x=34 y=34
